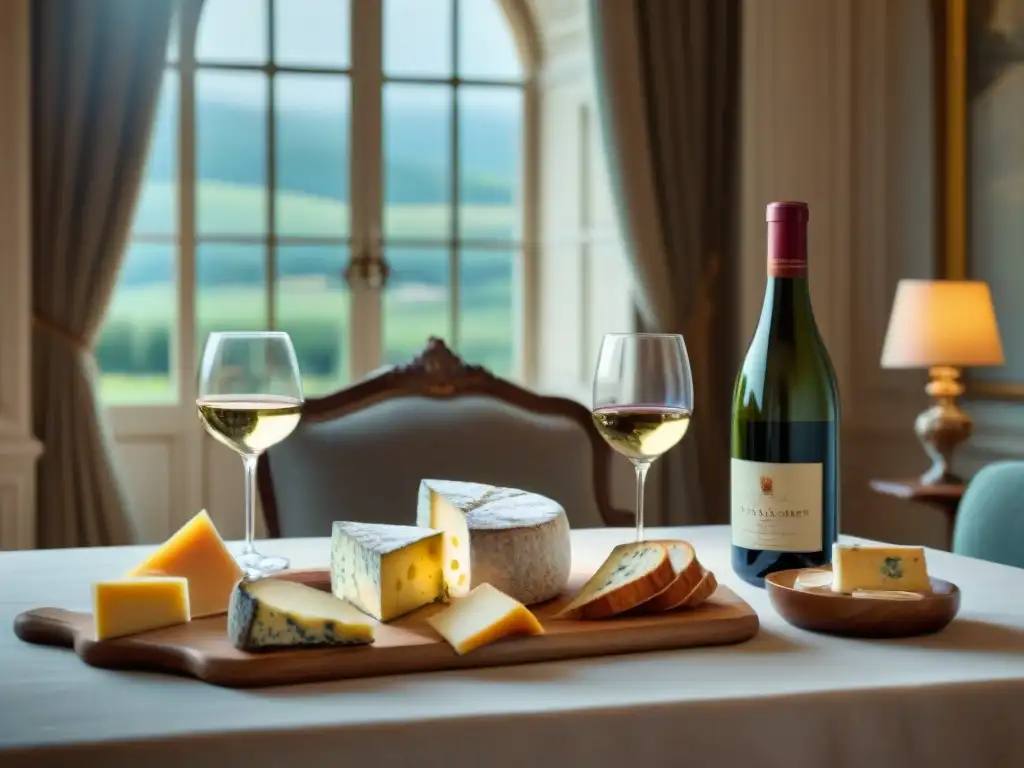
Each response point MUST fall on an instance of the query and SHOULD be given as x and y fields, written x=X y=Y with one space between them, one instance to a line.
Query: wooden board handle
x=45 y=626
x=58 y=627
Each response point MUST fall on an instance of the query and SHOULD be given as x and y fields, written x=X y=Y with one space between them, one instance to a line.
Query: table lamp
x=942 y=325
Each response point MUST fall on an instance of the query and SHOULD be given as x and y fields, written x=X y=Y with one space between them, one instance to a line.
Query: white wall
x=584 y=286
x=18 y=449
x=837 y=112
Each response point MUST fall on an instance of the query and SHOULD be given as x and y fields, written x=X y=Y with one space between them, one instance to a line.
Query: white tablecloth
x=787 y=698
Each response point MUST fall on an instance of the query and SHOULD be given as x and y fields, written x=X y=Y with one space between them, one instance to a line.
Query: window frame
x=367 y=82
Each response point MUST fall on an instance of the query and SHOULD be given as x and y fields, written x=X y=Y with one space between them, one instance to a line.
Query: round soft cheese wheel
x=514 y=540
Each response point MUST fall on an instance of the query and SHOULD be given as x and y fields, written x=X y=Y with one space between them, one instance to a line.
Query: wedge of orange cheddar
x=196 y=552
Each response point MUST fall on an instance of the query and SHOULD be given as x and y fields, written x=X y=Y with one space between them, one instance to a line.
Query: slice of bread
x=632 y=574
x=704 y=589
x=688 y=573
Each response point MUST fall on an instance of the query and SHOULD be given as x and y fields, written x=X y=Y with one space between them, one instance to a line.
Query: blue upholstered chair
x=990 y=519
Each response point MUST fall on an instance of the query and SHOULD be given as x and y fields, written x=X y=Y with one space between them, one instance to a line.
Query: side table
x=945 y=497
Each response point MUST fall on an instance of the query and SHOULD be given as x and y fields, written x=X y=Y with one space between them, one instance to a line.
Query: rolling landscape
x=311 y=299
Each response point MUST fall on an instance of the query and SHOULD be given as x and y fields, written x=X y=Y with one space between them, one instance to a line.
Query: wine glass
x=643 y=399
x=249 y=399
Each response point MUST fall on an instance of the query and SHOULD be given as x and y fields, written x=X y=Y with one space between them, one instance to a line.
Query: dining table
x=787 y=698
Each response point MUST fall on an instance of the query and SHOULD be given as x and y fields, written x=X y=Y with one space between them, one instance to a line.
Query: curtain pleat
x=667 y=74
x=97 y=69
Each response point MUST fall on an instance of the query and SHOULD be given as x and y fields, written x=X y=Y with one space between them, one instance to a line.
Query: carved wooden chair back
x=360 y=453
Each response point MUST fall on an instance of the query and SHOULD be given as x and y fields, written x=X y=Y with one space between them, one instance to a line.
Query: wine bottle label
x=776 y=507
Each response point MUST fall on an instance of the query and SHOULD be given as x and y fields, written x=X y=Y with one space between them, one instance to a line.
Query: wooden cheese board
x=201 y=649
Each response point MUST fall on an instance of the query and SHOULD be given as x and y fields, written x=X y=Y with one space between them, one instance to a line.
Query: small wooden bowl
x=821 y=610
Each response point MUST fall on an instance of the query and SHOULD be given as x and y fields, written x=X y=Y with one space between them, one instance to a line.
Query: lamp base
x=943 y=427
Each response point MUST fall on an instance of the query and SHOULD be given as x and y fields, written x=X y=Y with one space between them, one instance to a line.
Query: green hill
x=135 y=349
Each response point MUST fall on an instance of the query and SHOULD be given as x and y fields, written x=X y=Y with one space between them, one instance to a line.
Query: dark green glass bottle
x=785 y=421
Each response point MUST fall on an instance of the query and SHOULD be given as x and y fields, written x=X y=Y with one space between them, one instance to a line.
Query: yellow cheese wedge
x=862 y=567
x=482 y=617
x=130 y=606
x=198 y=553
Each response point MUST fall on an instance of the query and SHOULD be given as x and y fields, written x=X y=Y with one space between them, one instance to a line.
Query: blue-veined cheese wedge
x=857 y=567
x=274 y=613
x=386 y=570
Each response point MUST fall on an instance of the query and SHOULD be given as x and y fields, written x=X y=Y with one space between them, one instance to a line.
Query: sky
x=417 y=42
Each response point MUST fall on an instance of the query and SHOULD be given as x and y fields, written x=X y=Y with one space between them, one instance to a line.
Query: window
x=294 y=141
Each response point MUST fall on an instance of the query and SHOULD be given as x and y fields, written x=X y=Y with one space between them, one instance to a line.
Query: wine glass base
x=255 y=564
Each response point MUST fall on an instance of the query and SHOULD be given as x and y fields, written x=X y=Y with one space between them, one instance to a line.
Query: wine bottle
x=785 y=421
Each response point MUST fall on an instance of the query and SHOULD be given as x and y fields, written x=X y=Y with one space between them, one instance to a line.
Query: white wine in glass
x=643 y=400
x=250 y=398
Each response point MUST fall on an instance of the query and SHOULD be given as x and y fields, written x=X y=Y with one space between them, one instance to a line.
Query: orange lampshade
x=942 y=322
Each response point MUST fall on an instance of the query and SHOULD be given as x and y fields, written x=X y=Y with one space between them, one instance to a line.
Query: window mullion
x=366 y=180
x=270 y=247
x=187 y=287
x=192 y=472
x=454 y=284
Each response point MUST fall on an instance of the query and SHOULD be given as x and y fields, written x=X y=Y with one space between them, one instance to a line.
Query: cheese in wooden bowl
x=867 y=591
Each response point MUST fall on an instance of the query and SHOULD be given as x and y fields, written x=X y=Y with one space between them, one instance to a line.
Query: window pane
x=313 y=307
x=418 y=38
x=490 y=160
x=312 y=33
x=157 y=209
x=233 y=30
x=487 y=308
x=487 y=48
x=231 y=144
x=417 y=161
x=415 y=301
x=312 y=155
x=134 y=350
x=231 y=289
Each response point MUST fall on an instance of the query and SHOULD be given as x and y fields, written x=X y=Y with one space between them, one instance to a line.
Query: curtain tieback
x=58 y=331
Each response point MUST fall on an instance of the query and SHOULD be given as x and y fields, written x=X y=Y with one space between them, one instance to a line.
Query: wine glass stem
x=250 y=503
x=641 y=477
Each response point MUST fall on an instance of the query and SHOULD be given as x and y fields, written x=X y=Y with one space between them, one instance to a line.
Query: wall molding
x=795 y=144
x=19 y=449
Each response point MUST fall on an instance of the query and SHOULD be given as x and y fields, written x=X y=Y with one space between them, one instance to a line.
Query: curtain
x=97 y=66
x=667 y=75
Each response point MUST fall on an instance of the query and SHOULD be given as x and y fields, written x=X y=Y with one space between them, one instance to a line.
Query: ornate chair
x=360 y=453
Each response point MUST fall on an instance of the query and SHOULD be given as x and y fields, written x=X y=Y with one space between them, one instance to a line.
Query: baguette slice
x=632 y=574
x=688 y=573
x=704 y=589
